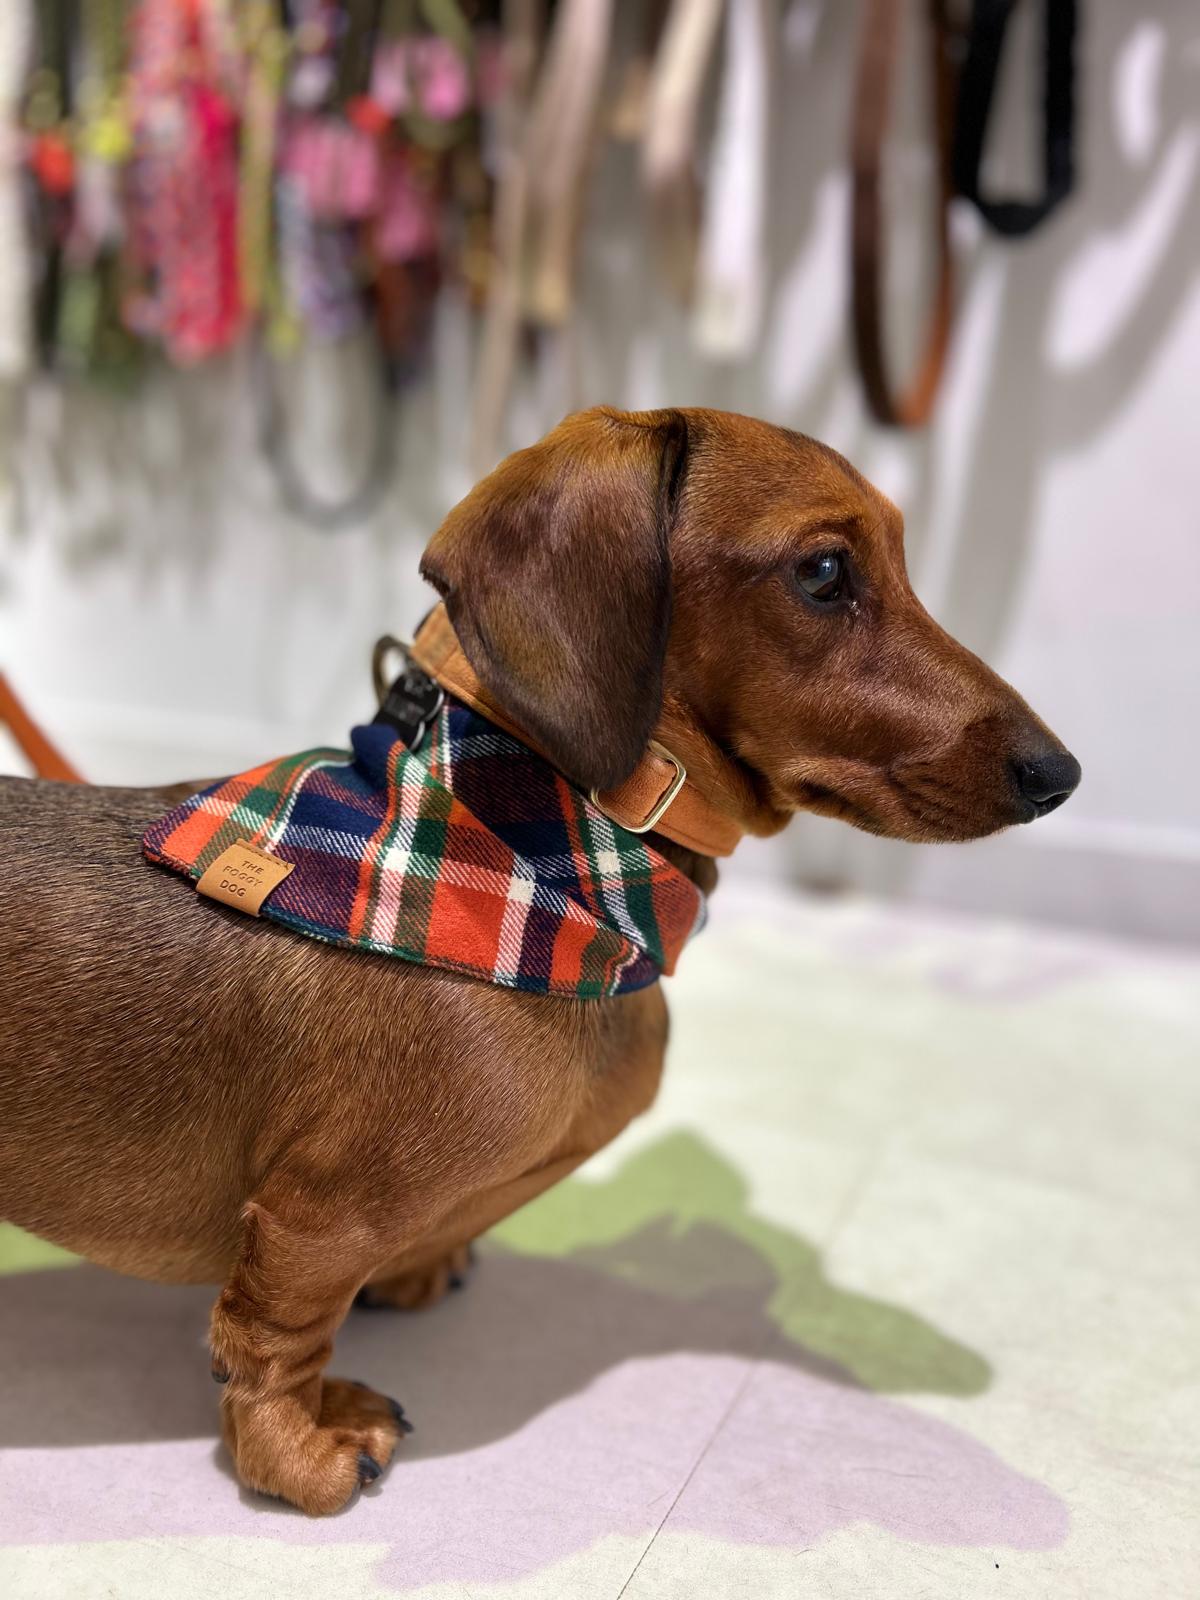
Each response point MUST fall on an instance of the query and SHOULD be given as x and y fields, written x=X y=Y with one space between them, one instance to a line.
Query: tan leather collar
x=644 y=802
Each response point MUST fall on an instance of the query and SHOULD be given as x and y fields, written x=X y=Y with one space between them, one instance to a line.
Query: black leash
x=977 y=83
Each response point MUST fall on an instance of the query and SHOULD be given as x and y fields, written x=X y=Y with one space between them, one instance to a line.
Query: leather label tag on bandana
x=474 y=856
x=243 y=876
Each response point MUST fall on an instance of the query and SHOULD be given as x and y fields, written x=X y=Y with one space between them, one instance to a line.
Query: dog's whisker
x=928 y=788
x=924 y=808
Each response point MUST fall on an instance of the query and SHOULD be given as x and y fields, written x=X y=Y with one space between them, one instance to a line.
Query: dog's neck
x=691 y=795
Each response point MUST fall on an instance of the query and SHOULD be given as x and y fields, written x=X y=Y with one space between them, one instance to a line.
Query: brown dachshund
x=190 y=1095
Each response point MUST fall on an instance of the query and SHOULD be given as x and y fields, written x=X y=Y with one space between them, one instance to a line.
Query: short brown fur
x=187 y=1095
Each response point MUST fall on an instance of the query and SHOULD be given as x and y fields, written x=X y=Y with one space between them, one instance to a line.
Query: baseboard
x=1123 y=879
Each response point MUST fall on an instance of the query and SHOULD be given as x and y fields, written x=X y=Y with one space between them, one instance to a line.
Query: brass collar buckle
x=661 y=806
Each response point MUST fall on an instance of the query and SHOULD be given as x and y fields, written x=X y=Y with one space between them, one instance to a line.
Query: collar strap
x=658 y=795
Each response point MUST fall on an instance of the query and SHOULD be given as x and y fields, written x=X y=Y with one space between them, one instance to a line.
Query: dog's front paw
x=420 y=1288
x=317 y=1466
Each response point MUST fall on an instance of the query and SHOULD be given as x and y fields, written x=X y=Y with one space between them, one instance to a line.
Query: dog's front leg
x=309 y=1439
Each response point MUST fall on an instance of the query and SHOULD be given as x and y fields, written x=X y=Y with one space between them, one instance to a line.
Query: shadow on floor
x=629 y=1350
x=661 y=1258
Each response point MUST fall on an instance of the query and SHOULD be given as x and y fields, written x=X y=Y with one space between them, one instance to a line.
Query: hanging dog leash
x=879 y=53
x=985 y=43
x=675 y=98
x=46 y=761
x=548 y=138
x=15 y=339
x=329 y=515
x=962 y=105
x=731 y=253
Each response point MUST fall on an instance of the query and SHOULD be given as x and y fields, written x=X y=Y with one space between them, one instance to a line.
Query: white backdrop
x=164 y=618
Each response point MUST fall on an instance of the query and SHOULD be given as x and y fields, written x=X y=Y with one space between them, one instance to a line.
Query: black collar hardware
x=412 y=700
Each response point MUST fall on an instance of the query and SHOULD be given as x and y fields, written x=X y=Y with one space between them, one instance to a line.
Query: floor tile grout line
x=886 y=1146
x=753 y=1366
x=863 y=1181
x=858 y=1189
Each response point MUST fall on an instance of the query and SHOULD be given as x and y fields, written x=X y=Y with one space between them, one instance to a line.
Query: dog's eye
x=822 y=577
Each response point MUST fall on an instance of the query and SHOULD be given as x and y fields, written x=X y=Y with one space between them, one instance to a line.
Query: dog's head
x=701 y=570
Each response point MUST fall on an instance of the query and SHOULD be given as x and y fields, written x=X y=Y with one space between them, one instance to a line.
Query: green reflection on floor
x=688 y=1197
x=682 y=1184
x=21 y=1252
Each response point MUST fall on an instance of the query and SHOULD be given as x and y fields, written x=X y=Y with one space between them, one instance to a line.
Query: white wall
x=163 y=617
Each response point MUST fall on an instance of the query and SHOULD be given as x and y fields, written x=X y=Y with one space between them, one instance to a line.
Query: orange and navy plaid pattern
x=473 y=854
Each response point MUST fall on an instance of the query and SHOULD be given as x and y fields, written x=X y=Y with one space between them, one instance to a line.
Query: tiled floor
x=895 y=1293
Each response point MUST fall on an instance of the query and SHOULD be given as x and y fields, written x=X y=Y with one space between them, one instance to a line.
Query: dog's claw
x=455 y=1280
x=219 y=1374
x=368 y=1468
x=394 y=1406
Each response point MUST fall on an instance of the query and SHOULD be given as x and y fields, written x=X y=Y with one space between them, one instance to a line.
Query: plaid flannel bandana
x=474 y=855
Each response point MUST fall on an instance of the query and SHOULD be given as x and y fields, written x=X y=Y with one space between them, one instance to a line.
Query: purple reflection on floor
x=555 y=1405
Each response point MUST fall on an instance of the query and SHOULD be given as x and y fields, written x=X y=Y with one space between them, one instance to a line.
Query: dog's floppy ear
x=556 y=575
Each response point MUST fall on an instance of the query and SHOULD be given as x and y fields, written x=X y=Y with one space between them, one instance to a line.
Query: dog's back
x=98 y=1068
x=156 y=1049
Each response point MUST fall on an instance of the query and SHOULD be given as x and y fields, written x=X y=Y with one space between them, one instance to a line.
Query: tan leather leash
x=46 y=761
x=501 y=331
x=731 y=257
x=669 y=168
x=878 y=56
x=563 y=122
x=552 y=115
x=659 y=796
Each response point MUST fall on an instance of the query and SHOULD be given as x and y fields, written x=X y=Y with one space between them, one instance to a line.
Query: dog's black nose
x=1048 y=779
